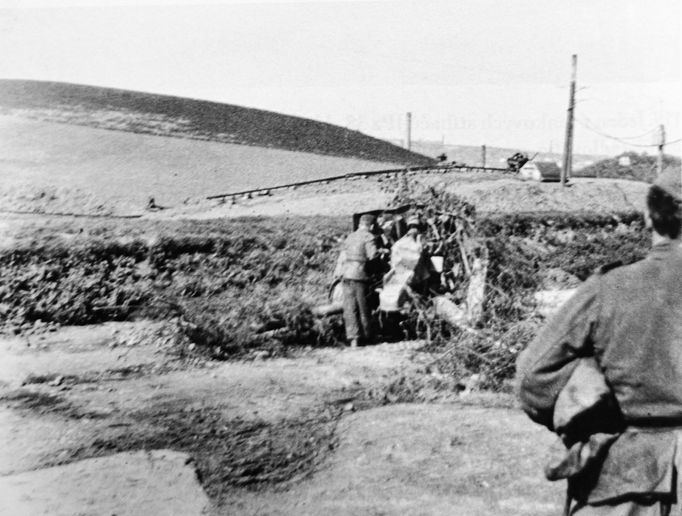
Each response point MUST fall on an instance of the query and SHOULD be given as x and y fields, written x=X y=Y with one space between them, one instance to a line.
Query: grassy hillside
x=641 y=167
x=181 y=117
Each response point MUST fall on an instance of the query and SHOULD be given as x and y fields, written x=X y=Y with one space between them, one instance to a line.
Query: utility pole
x=483 y=156
x=408 y=134
x=661 y=147
x=568 y=144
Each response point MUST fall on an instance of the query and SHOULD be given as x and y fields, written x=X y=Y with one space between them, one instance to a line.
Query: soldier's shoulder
x=365 y=235
x=603 y=269
x=352 y=237
x=358 y=237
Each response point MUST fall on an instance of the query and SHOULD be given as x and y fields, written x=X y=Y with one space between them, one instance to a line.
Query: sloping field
x=489 y=192
x=188 y=118
x=70 y=168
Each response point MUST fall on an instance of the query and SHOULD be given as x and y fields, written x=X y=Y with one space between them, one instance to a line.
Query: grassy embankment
x=226 y=277
x=641 y=167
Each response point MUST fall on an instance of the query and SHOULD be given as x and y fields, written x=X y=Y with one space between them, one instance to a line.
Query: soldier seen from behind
x=357 y=254
x=628 y=322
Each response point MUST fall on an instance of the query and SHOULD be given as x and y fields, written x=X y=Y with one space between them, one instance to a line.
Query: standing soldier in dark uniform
x=358 y=250
x=630 y=320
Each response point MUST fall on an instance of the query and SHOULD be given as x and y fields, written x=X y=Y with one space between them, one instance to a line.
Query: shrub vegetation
x=641 y=167
x=247 y=284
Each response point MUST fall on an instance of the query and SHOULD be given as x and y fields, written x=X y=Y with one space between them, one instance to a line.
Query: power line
x=638 y=136
x=589 y=127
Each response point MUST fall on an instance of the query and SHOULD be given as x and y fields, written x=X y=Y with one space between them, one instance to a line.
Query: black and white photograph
x=340 y=258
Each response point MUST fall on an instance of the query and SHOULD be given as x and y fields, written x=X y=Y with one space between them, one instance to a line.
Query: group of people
x=364 y=255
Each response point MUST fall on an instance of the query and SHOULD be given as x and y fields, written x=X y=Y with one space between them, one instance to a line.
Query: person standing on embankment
x=629 y=319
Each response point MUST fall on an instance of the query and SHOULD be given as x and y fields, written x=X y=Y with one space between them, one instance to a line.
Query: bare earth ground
x=90 y=392
x=142 y=482
x=444 y=459
x=493 y=193
x=489 y=192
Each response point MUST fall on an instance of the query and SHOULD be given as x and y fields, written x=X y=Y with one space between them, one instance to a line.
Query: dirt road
x=301 y=435
x=434 y=459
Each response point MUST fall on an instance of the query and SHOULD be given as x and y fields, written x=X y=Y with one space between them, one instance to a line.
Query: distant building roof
x=548 y=168
x=541 y=171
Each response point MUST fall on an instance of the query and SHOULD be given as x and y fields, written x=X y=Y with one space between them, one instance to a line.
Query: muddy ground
x=307 y=434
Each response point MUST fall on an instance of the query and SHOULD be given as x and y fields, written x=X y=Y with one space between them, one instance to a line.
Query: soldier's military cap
x=367 y=219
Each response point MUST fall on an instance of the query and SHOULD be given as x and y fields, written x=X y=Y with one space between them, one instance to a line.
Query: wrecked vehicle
x=516 y=161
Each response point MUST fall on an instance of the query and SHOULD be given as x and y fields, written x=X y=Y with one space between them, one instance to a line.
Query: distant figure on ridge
x=151 y=204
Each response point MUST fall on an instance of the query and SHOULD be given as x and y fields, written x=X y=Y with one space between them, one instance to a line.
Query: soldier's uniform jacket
x=630 y=319
x=357 y=250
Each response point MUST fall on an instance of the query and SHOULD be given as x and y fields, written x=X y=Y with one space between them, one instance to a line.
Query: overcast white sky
x=470 y=71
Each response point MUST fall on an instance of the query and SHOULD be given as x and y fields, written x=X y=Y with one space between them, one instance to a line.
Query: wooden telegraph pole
x=568 y=144
x=661 y=147
x=408 y=134
x=483 y=156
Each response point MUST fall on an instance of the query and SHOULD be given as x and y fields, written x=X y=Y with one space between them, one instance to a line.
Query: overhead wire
x=589 y=127
x=622 y=139
x=652 y=131
x=584 y=122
